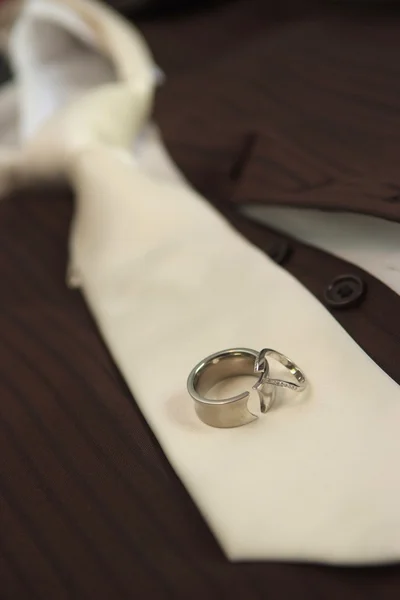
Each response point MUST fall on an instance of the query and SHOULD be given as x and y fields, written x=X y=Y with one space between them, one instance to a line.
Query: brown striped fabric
x=89 y=507
x=321 y=92
x=84 y=487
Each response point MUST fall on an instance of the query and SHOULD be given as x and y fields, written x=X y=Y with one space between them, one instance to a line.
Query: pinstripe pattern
x=321 y=93
x=89 y=506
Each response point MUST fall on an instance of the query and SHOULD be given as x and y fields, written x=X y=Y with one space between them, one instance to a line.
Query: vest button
x=345 y=291
x=280 y=251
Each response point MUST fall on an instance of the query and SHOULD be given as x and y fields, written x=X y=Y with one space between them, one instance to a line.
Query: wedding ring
x=233 y=411
x=301 y=382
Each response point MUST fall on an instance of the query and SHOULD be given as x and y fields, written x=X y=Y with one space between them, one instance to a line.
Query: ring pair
x=233 y=412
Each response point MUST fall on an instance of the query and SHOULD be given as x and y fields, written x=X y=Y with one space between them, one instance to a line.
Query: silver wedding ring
x=234 y=412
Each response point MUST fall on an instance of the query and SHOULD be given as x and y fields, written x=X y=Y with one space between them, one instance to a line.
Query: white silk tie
x=169 y=282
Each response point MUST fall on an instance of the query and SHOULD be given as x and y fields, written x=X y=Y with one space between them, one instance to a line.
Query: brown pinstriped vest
x=260 y=105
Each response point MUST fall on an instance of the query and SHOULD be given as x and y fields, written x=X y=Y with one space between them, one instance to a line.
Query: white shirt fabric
x=169 y=282
x=371 y=243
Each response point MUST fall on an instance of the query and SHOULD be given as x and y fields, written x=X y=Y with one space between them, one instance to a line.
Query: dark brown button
x=280 y=251
x=345 y=291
